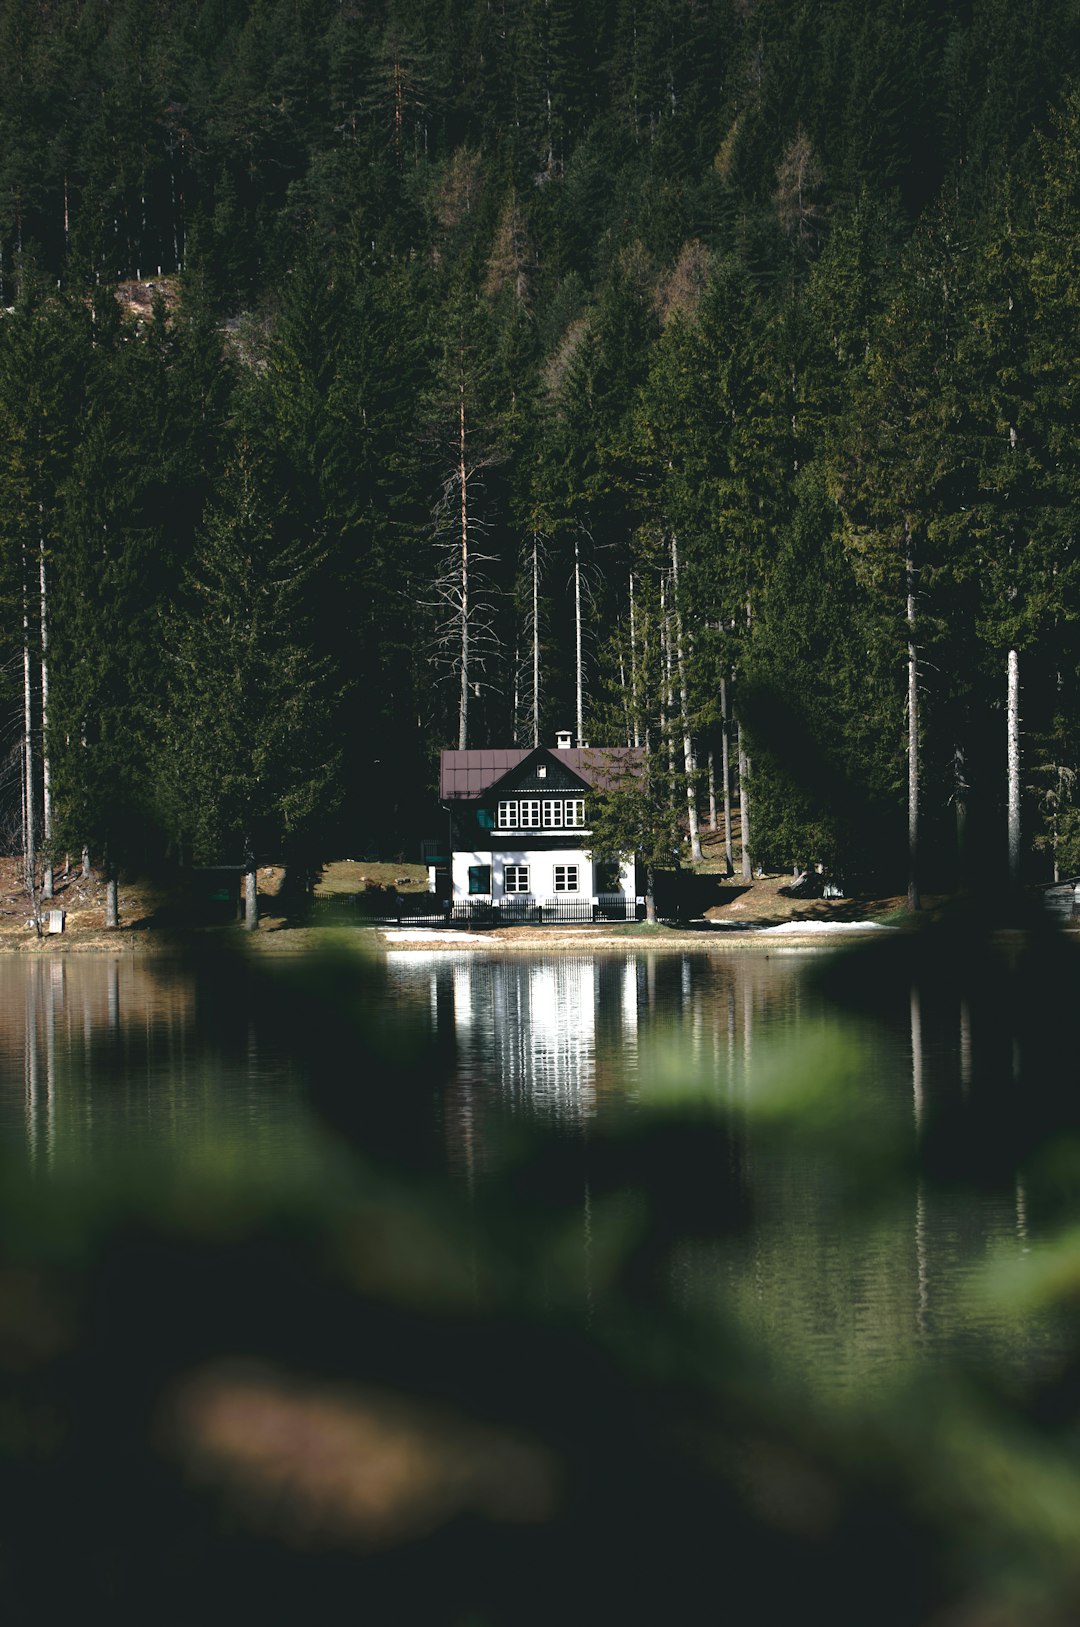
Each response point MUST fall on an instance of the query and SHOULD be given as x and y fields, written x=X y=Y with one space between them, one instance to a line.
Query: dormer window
x=554 y=813
x=541 y=771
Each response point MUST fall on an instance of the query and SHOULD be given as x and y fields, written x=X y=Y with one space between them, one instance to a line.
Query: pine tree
x=247 y=762
x=890 y=474
x=146 y=457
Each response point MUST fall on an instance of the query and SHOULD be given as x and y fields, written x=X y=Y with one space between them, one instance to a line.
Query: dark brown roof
x=465 y=775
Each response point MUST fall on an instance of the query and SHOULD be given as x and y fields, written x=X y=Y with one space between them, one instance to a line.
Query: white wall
x=541 y=871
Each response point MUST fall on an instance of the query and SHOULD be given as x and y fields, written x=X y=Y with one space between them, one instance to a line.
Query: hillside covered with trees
x=701 y=374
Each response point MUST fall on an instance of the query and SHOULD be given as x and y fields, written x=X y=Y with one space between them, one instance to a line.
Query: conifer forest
x=378 y=376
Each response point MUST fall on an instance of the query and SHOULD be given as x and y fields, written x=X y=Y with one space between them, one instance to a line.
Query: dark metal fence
x=424 y=909
x=564 y=911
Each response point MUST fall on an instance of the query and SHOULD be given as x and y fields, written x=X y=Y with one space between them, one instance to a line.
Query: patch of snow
x=426 y=934
x=829 y=926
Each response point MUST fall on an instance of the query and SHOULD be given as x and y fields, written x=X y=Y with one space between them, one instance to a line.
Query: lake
x=109 y=1062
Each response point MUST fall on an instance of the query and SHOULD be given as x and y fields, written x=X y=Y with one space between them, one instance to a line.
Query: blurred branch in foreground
x=363 y=1386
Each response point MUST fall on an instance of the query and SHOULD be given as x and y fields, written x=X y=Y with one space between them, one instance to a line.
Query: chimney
x=562 y=739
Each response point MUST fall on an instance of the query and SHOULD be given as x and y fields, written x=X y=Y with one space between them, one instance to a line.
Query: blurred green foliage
x=335 y=1379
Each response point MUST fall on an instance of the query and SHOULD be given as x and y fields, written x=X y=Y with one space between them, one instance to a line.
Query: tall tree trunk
x=29 y=799
x=251 y=897
x=535 y=645
x=712 y=789
x=913 y=900
x=46 y=775
x=634 y=709
x=725 y=775
x=112 y=900
x=251 y=888
x=1013 y=750
x=515 y=712
x=667 y=714
x=463 y=586
x=650 y=894
x=744 y=805
x=689 y=765
x=578 y=685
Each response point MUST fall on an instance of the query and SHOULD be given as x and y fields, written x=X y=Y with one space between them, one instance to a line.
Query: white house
x=518 y=826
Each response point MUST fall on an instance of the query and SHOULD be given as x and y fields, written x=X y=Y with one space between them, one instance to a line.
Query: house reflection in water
x=540 y=1040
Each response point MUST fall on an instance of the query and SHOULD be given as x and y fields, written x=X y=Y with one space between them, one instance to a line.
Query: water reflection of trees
x=554 y=1042
x=103 y=1056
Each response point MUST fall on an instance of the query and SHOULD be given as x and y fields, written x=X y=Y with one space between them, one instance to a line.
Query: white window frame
x=547 y=813
x=515 y=878
x=571 y=878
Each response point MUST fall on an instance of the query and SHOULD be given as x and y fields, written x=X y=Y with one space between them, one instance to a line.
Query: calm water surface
x=104 y=1058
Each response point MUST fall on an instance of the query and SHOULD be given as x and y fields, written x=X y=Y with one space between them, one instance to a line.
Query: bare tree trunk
x=251 y=898
x=29 y=803
x=712 y=790
x=86 y=864
x=634 y=667
x=913 y=900
x=46 y=776
x=725 y=775
x=650 y=894
x=667 y=719
x=689 y=765
x=625 y=696
x=463 y=481
x=744 y=805
x=578 y=687
x=535 y=645
x=1013 y=749
x=112 y=901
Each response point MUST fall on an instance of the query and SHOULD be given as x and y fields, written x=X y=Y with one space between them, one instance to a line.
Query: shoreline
x=140 y=941
x=703 y=938
x=298 y=939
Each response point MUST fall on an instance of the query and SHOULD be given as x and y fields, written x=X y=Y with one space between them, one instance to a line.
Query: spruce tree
x=247 y=760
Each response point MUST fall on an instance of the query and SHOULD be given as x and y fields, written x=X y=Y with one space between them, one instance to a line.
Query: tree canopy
x=532 y=326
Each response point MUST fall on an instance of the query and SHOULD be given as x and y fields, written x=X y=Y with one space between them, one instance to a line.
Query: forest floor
x=726 y=910
x=149 y=918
